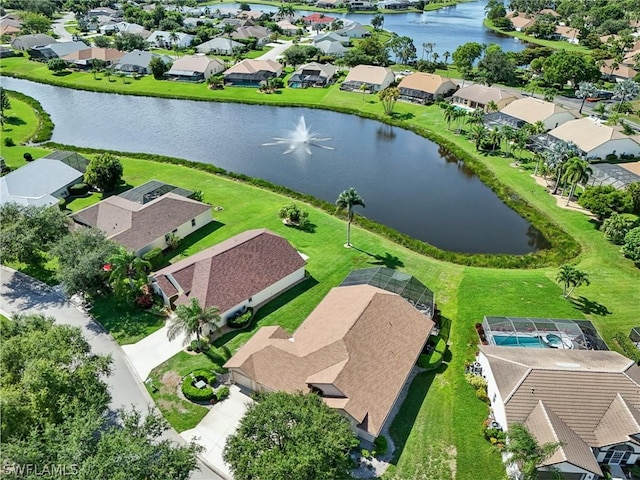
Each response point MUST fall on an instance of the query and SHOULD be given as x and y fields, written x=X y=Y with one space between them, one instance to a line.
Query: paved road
x=22 y=294
x=58 y=27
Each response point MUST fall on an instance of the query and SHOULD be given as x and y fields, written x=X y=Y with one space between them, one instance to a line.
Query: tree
x=104 y=172
x=97 y=66
x=496 y=66
x=571 y=278
x=605 y=200
x=34 y=23
x=299 y=54
x=377 y=21
x=286 y=10
x=625 y=91
x=465 y=56
x=190 y=319
x=127 y=269
x=478 y=134
x=526 y=452
x=576 y=171
x=128 y=42
x=584 y=91
x=81 y=259
x=403 y=48
x=634 y=190
x=27 y=232
x=631 y=247
x=616 y=227
x=57 y=65
x=158 y=67
x=346 y=201
x=388 y=97
x=449 y=114
x=102 y=42
x=290 y=436
x=5 y=104
x=564 y=67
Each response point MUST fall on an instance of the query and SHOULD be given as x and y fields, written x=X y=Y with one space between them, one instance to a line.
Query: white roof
x=532 y=109
x=587 y=133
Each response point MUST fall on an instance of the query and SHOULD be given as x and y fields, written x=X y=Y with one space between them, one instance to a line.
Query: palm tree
x=625 y=91
x=363 y=89
x=508 y=134
x=285 y=10
x=227 y=30
x=495 y=138
x=492 y=106
x=347 y=200
x=571 y=278
x=526 y=452
x=459 y=115
x=478 y=134
x=449 y=114
x=173 y=38
x=446 y=56
x=476 y=117
x=584 y=91
x=189 y=319
x=427 y=47
x=127 y=268
x=576 y=171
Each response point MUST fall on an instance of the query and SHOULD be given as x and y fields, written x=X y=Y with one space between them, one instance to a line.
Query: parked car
x=601 y=95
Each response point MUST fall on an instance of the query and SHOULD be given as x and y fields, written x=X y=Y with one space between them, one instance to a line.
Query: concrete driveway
x=277 y=50
x=58 y=27
x=221 y=421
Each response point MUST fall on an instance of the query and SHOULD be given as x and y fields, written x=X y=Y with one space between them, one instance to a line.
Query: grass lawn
x=556 y=44
x=20 y=124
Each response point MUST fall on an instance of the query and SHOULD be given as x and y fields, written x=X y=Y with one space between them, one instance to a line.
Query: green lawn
x=556 y=44
x=20 y=124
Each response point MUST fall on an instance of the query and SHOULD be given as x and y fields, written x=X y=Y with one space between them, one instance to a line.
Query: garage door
x=242 y=380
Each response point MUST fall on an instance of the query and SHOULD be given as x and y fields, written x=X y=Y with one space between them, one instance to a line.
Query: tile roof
x=194 y=63
x=427 y=82
x=250 y=66
x=483 y=94
x=531 y=109
x=361 y=339
x=105 y=54
x=587 y=133
x=232 y=271
x=368 y=74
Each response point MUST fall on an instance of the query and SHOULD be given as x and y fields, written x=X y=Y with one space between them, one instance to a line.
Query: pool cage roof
x=634 y=335
x=581 y=332
x=403 y=284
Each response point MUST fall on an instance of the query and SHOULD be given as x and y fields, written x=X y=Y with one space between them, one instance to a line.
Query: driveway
x=277 y=50
x=58 y=27
x=221 y=421
x=151 y=351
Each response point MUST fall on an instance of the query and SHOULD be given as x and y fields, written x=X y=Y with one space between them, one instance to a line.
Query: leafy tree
x=104 y=172
x=346 y=201
x=128 y=42
x=158 y=67
x=478 y=134
x=576 y=171
x=496 y=66
x=563 y=67
x=26 y=232
x=33 y=22
x=616 y=227
x=190 y=319
x=388 y=97
x=290 y=436
x=81 y=258
x=127 y=269
x=102 y=42
x=404 y=49
x=57 y=65
x=97 y=66
x=631 y=247
x=465 y=56
x=368 y=51
x=605 y=200
x=526 y=452
x=634 y=190
x=571 y=278
x=377 y=21
x=584 y=91
x=296 y=216
x=299 y=54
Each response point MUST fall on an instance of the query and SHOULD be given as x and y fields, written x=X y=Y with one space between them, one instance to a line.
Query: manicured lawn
x=125 y=322
x=20 y=124
x=556 y=44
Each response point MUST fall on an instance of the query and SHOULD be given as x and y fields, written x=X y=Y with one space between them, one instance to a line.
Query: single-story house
x=261 y=34
x=318 y=21
x=288 y=28
x=42 y=183
x=245 y=271
x=424 y=88
x=6 y=52
x=137 y=61
x=617 y=72
x=328 y=3
x=393 y=4
x=479 y=96
x=355 y=337
x=373 y=77
x=126 y=27
x=163 y=39
x=589 y=400
x=521 y=21
x=332 y=37
x=194 y=68
x=549 y=11
x=531 y=110
x=356 y=30
x=10 y=26
x=83 y=58
x=26 y=42
x=252 y=72
x=312 y=75
x=109 y=12
x=595 y=139
x=219 y=45
x=332 y=48
x=73 y=159
x=567 y=34
x=142 y=225
x=56 y=50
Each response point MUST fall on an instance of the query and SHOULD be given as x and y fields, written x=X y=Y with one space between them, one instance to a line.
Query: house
x=137 y=62
x=549 y=11
x=245 y=271
x=531 y=110
x=55 y=50
x=126 y=27
x=615 y=72
x=7 y=52
x=318 y=21
x=521 y=22
x=84 y=58
x=372 y=77
x=27 y=42
x=288 y=28
x=597 y=423
x=312 y=75
x=163 y=39
x=194 y=68
x=328 y=3
x=476 y=96
x=356 y=30
x=141 y=221
x=393 y=4
x=567 y=34
x=595 y=139
x=42 y=183
x=425 y=88
x=261 y=34
x=360 y=5
x=332 y=37
x=219 y=46
x=356 y=336
x=331 y=48
x=10 y=26
x=106 y=11
x=72 y=159
x=252 y=72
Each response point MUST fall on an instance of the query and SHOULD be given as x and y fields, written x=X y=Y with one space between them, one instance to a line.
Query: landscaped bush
x=481 y=393
x=381 y=444
x=222 y=392
x=476 y=381
x=629 y=348
x=193 y=393
x=154 y=257
x=631 y=247
x=194 y=346
x=605 y=200
x=241 y=320
x=496 y=437
x=8 y=142
x=616 y=227
x=295 y=216
x=78 y=189
x=209 y=376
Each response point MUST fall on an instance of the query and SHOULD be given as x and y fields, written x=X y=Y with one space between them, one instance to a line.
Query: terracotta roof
x=567 y=32
x=318 y=18
x=622 y=71
x=106 y=54
x=427 y=82
x=361 y=339
x=522 y=22
x=483 y=94
x=532 y=109
x=232 y=271
x=250 y=66
x=368 y=74
x=133 y=225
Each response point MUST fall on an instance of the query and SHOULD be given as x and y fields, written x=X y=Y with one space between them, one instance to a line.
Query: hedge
x=241 y=321
x=78 y=189
x=193 y=393
x=154 y=257
x=628 y=347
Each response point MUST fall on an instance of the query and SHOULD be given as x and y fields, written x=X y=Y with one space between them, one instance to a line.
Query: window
x=166 y=237
x=193 y=222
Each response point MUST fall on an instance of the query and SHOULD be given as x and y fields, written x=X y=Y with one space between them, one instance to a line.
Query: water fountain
x=301 y=138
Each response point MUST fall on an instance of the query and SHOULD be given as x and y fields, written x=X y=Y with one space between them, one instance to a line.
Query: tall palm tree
x=584 y=91
x=478 y=133
x=571 y=278
x=449 y=114
x=576 y=171
x=508 y=134
x=347 y=200
x=446 y=56
x=127 y=268
x=285 y=10
x=189 y=319
x=173 y=38
x=495 y=138
x=476 y=117
x=227 y=30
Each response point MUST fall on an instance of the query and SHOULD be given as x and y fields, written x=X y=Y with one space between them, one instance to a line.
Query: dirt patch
x=167 y=405
x=452 y=453
x=170 y=381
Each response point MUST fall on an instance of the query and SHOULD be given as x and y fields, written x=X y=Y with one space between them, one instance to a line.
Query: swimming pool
x=518 y=341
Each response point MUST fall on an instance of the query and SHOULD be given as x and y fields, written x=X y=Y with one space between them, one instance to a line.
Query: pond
x=408 y=182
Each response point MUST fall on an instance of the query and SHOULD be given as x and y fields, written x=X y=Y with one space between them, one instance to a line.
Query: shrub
x=27 y=157
x=481 y=393
x=495 y=436
x=8 y=142
x=629 y=348
x=145 y=300
x=381 y=444
x=476 y=381
x=222 y=392
x=605 y=200
x=194 y=393
x=198 y=195
x=173 y=241
x=78 y=189
x=208 y=376
x=616 y=227
x=294 y=215
x=154 y=257
x=634 y=191
x=366 y=453
x=241 y=320
x=631 y=247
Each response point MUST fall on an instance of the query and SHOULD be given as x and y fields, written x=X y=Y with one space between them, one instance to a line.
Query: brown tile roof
x=361 y=339
x=532 y=109
x=622 y=71
x=106 y=54
x=133 y=225
x=483 y=94
x=232 y=271
x=368 y=74
x=427 y=82
x=593 y=379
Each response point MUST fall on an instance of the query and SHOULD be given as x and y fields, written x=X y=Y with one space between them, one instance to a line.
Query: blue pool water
x=516 y=341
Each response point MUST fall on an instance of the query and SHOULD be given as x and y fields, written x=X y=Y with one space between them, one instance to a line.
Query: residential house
x=331 y=48
x=531 y=110
x=425 y=88
x=126 y=27
x=357 y=335
x=27 y=42
x=568 y=34
x=393 y=4
x=7 y=52
x=332 y=37
x=245 y=271
x=549 y=11
x=261 y=34
x=148 y=222
x=328 y=3
x=480 y=96
x=597 y=423
x=10 y=26
x=312 y=75
x=43 y=182
x=219 y=46
x=137 y=62
x=359 y=5
x=616 y=72
x=318 y=21
x=354 y=29
x=595 y=139
x=163 y=39
x=252 y=72
x=372 y=77
x=520 y=21
x=84 y=58
x=194 y=68
x=55 y=50
x=106 y=11
x=288 y=28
